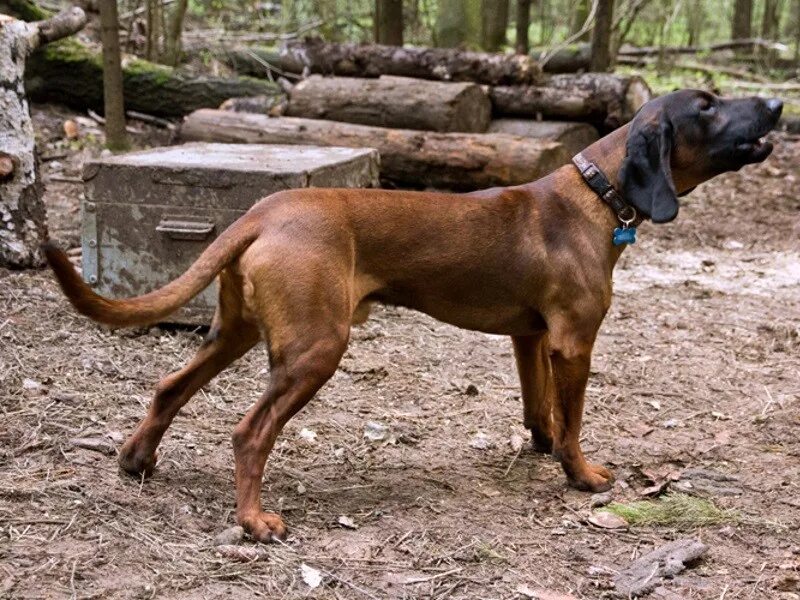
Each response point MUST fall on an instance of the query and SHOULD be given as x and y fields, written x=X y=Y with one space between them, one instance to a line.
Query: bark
x=742 y=19
x=602 y=99
x=495 y=23
x=523 y=26
x=412 y=158
x=458 y=24
x=569 y=59
x=23 y=223
x=354 y=60
x=601 y=58
x=393 y=102
x=389 y=22
x=71 y=73
x=573 y=136
x=114 y=104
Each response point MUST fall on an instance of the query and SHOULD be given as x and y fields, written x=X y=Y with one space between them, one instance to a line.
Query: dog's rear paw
x=264 y=527
x=595 y=479
x=136 y=465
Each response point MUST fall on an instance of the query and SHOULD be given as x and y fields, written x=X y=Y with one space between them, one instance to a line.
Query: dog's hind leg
x=307 y=324
x=229 y=338
x=532 y=354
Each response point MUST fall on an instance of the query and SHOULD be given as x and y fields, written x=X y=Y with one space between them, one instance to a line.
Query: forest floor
x=694 y=390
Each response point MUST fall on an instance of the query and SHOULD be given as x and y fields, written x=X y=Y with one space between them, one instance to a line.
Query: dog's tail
x=151 y=307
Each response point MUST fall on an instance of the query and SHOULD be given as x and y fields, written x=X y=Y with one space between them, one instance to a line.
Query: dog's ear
x=645 y=177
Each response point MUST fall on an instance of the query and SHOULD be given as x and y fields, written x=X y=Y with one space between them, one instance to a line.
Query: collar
x=600 y=185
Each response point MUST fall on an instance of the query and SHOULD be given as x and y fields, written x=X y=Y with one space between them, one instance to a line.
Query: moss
x=675 y=510
x=158 y=74
x=26 y=10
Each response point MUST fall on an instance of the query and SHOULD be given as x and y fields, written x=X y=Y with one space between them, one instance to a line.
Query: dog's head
x=682 y=139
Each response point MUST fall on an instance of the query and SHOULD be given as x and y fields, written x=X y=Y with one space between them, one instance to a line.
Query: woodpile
x=442 y=118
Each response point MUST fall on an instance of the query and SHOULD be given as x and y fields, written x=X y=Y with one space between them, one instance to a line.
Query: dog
x=532 y=261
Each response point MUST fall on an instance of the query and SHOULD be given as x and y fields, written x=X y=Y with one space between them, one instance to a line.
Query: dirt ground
x=697 y=367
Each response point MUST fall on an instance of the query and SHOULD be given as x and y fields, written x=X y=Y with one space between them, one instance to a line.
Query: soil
x=697 y=367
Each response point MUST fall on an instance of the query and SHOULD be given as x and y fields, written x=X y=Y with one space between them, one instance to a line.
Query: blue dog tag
x=624 y=235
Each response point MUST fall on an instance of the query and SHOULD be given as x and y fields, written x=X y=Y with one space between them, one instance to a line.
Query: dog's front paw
x=595 y=478
x=136 y=463
x=264 y=527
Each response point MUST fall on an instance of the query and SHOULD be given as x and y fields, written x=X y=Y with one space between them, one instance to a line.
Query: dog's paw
x=264 y=527
x=136 y=464
x=596 y=478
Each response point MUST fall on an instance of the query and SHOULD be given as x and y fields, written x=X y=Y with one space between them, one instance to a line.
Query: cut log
x=574 y=136
x=603 y=99
x=71 y=73
x=23 y=222
x=372 y=60
x=570 y=59
x=393 y=102
x=459 y=161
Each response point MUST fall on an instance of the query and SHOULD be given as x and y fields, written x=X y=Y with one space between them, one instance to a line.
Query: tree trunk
x=570 y=59
x=354 y=60
x=605 y=100
x=459 y=24
x=389 y=22
x=523 y=26
x=601 y=36
x=442 y=160
x=70 y=73
x=393 y=102
x=495 y=23
x=114 y=104
x=695 y=19
x=742 y=19
x=770 y=23
x=23 y=222
x=153 y=17
x=173 y=37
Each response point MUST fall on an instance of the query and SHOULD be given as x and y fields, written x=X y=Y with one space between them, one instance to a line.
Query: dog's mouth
x=754 y=150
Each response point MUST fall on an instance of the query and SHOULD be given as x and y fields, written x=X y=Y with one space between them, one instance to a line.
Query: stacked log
x=393 y=102
x=459 y=161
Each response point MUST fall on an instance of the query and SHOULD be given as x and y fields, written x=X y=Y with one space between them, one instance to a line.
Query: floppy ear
x=645 y=176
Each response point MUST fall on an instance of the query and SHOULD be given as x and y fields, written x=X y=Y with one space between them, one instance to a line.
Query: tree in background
x=116 y=136
x=771 y=20
x=459 y=23
x=578 y=19
x=601 y=36
x=522 y=45
x=163 y=34
x=495 y=23
x=389 y=22
x=695 y=20
x=741 y=27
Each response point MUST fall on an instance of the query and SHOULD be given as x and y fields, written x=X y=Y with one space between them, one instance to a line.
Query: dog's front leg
x=571 y=344
x=532 y=354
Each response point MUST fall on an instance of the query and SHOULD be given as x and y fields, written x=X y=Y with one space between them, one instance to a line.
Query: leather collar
x=600 y=185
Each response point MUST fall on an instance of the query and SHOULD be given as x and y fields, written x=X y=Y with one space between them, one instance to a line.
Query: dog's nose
x=775 y=106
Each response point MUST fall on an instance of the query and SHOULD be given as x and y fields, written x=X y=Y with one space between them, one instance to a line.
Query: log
x=23 y=220
x=372 y=60
x=574 y=136
x=393 y=102
x=603 y=99
x=460 y=161
x=70 y=72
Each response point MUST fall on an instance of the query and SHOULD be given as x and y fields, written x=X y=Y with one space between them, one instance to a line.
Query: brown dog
x=532 y=261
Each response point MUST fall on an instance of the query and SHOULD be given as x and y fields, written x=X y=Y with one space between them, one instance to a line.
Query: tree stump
x=23 y=219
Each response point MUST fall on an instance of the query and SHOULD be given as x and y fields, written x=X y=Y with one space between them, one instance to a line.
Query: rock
x=307 y=434
x=598 y=500
x=311 y=576
x=31 y=385
x=99 y=444
x=651 y=570
x=346 y=522
x=375 y=432
x=241 y=553
x=481 y=441
x=516 y=442
x=229 y=537
x=607 y=520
